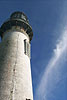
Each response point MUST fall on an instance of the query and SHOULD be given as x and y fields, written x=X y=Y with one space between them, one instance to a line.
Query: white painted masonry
x=15 y=70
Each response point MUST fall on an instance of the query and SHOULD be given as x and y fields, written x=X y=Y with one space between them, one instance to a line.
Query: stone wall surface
x=15 y=71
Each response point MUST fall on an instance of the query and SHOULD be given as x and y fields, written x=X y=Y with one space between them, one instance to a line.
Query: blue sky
x=48 y=19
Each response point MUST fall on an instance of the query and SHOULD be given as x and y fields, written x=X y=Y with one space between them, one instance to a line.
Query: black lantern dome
x=19 y=15
x=17 y=19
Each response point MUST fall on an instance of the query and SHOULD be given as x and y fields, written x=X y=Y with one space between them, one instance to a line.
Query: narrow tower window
x=27 y=48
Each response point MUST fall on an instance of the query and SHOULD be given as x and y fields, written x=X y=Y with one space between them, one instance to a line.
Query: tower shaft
x=15 y=72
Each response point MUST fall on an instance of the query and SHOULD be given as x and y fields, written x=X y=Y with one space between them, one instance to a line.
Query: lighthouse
x=15 y=69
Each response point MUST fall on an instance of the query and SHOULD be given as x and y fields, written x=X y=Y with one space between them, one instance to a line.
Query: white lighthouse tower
x=15 y=70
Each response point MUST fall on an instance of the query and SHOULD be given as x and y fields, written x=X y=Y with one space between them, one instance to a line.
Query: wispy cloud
x=61 y=47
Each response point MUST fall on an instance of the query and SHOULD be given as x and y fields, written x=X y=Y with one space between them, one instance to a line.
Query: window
x=27 y=48
x=23 y=17
x=16 y=16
